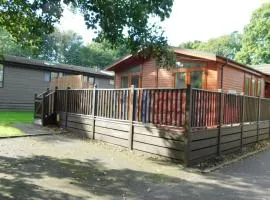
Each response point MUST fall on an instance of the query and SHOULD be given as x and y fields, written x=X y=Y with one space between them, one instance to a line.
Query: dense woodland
x=252 y=46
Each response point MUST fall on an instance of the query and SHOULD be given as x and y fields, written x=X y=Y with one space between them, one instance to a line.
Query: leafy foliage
x=9 y=46
x=116 y=21
x=65 y=47
x=256 y=38
x=226 y=45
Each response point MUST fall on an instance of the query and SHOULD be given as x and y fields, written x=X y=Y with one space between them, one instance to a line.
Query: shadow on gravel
x=18 y=175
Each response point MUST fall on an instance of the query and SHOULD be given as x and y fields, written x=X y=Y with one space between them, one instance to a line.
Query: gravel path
x=63 y=167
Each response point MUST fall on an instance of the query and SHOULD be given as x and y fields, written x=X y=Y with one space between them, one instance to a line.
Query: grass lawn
x=8 y=119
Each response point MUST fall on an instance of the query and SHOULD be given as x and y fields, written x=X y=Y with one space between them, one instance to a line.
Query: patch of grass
x=9 y=118
x=8 y=131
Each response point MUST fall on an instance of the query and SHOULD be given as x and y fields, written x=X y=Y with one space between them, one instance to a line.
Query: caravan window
x=1 y=75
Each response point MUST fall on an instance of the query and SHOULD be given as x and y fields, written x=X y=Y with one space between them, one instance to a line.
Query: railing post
x=242 y=121
x=43 y=109
x=188 y=113
x=66 y=105
x=94 y=106
x=258 y=117
x=35 y=106
x=221 y=110
x=55 y=100
x=131 y=110
x=55 y=105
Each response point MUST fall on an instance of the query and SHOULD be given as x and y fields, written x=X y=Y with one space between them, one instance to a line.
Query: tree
x=191 y=45
x=256 y=38
x=9 y=46
x=226 y=45
x=58 y=46
x=67 y=47
x=96 y=55
x=28 y=20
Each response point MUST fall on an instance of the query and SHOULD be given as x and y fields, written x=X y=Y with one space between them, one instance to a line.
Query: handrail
x=40 y=95
x=50 y=93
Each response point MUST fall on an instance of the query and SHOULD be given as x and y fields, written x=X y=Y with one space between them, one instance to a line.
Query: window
x=85 y=79
x=247 y=85
x=259 y=88
x=47 y=76
x=1 y=75
x=196 y=79
x=135 y=80
x=134 y=69
x=54 y=75
x=190 y=64
x=111 y=82
x=124 y=81
x=91 y=80
x=254 y=87
x=180 y=80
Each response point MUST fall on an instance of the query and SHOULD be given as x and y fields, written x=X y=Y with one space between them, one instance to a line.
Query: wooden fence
x=190 y=125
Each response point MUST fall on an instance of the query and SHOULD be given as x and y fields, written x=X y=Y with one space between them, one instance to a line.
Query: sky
x=190 y=20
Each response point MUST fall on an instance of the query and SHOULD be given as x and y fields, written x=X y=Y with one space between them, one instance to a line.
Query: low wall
x=163 y=141
x=203 y=144
x=167 y=141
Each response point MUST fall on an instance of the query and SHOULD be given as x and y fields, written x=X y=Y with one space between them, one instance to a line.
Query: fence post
x=35 y=106
x=131 y=110
x=242 y=120
x=94 y=106
x=188 y=113
x=258 y=117
x=221 y=110
x=66 y=105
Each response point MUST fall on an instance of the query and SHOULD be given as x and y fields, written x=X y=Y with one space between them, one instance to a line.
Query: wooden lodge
x=199 y=69
x=207 y=106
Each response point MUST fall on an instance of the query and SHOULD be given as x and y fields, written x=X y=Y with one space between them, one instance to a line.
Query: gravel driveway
x=62 y=167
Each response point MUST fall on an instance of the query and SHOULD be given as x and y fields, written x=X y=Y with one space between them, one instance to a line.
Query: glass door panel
x=135 y=80
x=180 y=80
x=196 y=79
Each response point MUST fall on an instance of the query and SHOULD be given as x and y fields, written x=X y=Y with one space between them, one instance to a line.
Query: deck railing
x=158 y=106
x=191 y=125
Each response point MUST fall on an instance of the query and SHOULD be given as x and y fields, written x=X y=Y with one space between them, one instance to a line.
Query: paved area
x=63 y=167
x=32 y=129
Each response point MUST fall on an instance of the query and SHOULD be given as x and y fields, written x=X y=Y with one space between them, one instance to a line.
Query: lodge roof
x=42 y=64
x=196 y=54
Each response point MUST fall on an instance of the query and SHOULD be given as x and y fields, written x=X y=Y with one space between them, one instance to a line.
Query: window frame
x=185 y=79
x=247 y=85
x=259 y=87
x=127 y=79
x=3 y=75
x=129 y=76
x=201 y=75
x=188 y=76
x=91 y=78
x=49 y=75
